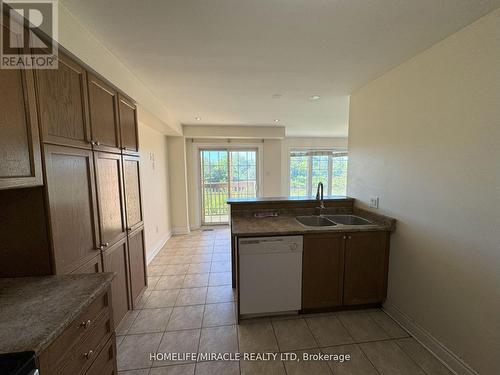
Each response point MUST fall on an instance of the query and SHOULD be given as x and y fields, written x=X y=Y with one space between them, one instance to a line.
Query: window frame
x=309 y=187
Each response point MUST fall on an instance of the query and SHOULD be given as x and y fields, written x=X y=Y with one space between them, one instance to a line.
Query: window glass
x=298 y=175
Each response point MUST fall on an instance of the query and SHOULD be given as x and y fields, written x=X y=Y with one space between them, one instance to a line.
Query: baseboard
x=158 y=246
x=454 y=363
x=181 y=230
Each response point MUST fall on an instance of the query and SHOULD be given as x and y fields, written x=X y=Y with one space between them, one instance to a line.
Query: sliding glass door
x=225 y=173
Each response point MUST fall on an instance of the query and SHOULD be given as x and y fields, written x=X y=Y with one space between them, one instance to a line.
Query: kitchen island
x=342 y=266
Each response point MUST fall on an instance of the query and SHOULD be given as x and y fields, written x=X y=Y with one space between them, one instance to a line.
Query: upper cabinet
x=128 y=126
x=20 y=164
x=103 y=105
x=63 y=105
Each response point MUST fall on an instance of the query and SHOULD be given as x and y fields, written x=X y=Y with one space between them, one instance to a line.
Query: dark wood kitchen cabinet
x=20 y=161
x=366 y=267
x=137 y=260
x=86 y=346
x=115 y=259
x=132 y=187
x=322 y=270
x=128 y=125
x=81 y=174
x=109 y=184
x=92 y=266
x=103 y=108
x=71 y=198
x=63 y=104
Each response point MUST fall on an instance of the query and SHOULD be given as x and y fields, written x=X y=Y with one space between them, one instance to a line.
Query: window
x=309 y=167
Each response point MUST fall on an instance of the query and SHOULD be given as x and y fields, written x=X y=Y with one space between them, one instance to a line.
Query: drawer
x=105 y=363
x=82 y=356
x=56 y=354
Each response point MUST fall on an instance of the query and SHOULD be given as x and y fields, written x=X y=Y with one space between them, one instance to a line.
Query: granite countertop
x=35 y=310
x=249 y=226
x=287 y=199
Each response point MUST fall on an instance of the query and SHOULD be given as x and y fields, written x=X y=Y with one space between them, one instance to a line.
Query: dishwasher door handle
x=254 y=242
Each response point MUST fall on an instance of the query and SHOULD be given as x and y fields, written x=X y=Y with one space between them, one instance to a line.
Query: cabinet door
x=132 y=187
x=115 y=259
x=128 y=126
x=92 y=266
x=110 y=198
x=20 y=163
x=103 y=109
x=72 y=206
x=322 y=270
x=62 y=104
x=137 y=256
x=366 y=265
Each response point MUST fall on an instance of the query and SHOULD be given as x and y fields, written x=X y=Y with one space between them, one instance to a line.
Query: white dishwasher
x=270 y=274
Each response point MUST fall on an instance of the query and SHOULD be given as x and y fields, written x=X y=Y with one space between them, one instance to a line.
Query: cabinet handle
x=89 y=354
x=92 y=142
x=86 y=324
x=97 y=143
x=104 y=245
x=349 y=237
x=129 y=229
x=345 y=237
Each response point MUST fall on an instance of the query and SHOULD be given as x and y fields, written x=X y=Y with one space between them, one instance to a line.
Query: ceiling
x=251 y=62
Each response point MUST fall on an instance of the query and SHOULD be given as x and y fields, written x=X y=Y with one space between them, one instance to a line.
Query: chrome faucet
x=319 y=197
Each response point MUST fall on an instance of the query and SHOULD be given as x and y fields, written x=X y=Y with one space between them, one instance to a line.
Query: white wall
x=425 y=138
x=155 y=189
x=178 y=185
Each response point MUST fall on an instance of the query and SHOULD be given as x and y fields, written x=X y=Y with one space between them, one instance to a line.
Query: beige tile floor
x=189 y=307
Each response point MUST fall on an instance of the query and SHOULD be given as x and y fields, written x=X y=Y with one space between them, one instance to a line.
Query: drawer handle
x=89 y=354
x=86 y=324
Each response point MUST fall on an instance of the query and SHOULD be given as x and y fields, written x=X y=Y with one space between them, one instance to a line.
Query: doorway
x=225 y=173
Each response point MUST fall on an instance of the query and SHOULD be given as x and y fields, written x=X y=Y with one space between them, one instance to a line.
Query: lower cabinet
x=115 y=259
x=85 y=346
x=344 y=269
x=137 y=256
x=105 y=363
x=366 y=267
x=322 y=270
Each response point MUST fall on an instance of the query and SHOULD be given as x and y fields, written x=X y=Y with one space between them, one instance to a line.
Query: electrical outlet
x=374 y=202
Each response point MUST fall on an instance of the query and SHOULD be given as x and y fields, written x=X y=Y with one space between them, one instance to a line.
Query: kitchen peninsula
x=307 y=255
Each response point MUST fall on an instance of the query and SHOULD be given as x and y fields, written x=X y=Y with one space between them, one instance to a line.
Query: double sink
x=331 y=220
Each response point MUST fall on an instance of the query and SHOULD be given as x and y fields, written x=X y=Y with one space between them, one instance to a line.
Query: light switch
x=374 y=202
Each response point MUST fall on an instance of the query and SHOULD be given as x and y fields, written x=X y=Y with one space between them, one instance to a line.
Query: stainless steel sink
x=348 y=219
x=314 y=221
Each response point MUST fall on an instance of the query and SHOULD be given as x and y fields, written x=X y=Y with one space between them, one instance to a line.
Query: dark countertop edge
x=378 y=228
x=287 y=199
x=45 y=343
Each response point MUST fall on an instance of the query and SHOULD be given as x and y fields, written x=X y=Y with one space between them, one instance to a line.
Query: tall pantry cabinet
x=91 y=167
